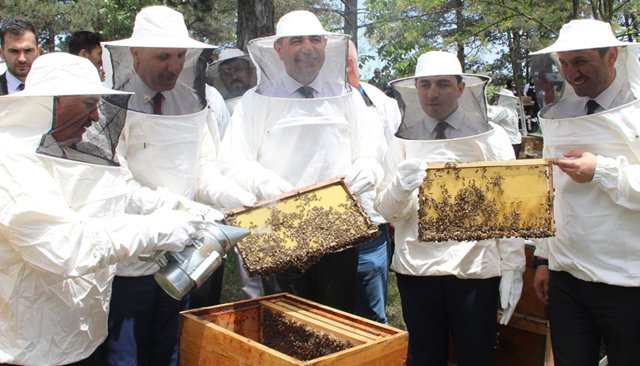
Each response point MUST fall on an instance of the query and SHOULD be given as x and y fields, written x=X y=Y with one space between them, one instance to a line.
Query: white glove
x=272 y=186
x=359 y=181
x=168 y=229
x=410 y=174
x=510 y=291
x=199 y=210
x=234 y=196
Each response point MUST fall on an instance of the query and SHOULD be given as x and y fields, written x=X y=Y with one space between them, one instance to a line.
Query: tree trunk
x=515 y=52
x=460 y=25
x=351 y=20
x=255 y=19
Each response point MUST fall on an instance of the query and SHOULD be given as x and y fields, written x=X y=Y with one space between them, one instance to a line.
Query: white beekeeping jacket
x=467 y=259
x=586 y=214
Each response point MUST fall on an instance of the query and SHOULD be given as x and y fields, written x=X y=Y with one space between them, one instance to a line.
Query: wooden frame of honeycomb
x=300 y=227
x=482 y=200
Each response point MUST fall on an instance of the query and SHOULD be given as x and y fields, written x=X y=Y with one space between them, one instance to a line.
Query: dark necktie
x=440 y=127
x=20 y=87
x=157 y=103
x=306 y=91
x=366 y=98
x=592 y=105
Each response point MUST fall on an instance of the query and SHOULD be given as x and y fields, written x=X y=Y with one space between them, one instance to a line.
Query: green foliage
x=495 y=35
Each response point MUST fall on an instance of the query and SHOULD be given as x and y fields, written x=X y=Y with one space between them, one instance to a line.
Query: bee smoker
x=181 y=271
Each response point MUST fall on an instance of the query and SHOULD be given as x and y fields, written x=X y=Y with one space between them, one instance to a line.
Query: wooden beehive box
x=525 y=341
x=482 y=200
x=298 y=228
x=266 y=330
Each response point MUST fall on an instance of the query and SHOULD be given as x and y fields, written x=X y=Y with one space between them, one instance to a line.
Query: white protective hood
x=160 y=27
x=436 y=63
x=587 y=213
x=271 y=70
x=505 y=113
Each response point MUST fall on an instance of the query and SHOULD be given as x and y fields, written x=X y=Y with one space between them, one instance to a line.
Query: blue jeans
x=373 y=274
x=143 y=324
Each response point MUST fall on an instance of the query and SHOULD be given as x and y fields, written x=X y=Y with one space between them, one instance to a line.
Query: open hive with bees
x=300 y=227
x=286 y=330
x=482 y=200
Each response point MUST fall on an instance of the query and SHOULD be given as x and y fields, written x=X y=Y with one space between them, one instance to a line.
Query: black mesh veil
x=86 y=128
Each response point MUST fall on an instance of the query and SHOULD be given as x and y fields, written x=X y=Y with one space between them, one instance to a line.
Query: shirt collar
x=291 y=85
x=453 y=120
x=12 y=83
x=142 y=90
x=605 y=99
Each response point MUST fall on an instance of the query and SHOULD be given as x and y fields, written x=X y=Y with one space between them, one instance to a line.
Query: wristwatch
x=539 y=261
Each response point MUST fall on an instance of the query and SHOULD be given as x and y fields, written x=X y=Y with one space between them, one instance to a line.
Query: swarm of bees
x=299 y=237
x=470 y=203
x=297 y=339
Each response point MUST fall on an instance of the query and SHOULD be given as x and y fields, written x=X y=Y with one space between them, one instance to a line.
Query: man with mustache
x=301 y=125
x=19 y=40
x=169 y=146
x=232 y=74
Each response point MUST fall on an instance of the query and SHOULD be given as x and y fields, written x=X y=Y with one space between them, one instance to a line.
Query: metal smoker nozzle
x=233 y=233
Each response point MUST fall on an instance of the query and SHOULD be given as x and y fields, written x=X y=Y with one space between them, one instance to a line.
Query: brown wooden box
x=299 y=227
x=231 y=334
x=483 y=200
x=529 y=304
x=525 y=341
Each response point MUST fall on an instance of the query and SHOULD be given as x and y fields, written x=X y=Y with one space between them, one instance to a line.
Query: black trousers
x=582 y=314
x=331 y=281
x=435 y=306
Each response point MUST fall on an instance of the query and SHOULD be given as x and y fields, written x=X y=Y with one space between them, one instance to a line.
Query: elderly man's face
x=439 y=95
x=236 y=76
x=159 y=68
x=19 y=52
x=73 y=114
x=587 y=71
x=303 y=56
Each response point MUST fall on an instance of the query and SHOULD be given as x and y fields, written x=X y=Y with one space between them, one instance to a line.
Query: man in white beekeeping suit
x=65 y=214
x=169 y=143
x=301 y=125
x=505 y=114
x=374 y=256
x=449 y=287
x=589 y=272
x=232 y=75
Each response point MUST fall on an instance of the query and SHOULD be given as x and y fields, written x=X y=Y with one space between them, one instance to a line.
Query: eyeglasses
x=225 y=71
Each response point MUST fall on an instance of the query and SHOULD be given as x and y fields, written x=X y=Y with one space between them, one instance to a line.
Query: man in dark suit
x=19 y=49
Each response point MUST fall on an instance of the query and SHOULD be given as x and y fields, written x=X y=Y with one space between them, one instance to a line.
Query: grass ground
x=231 y=292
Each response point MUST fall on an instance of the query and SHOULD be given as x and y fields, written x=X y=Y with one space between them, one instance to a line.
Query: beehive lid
x=482 y=200
x=298 y=228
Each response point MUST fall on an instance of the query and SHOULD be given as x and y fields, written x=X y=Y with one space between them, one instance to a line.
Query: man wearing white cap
x=232 y=74
x=450 y=287
x=589 y=273
x=505 y=114
x=302 y=125
x=63 y=198
x=168 y=144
